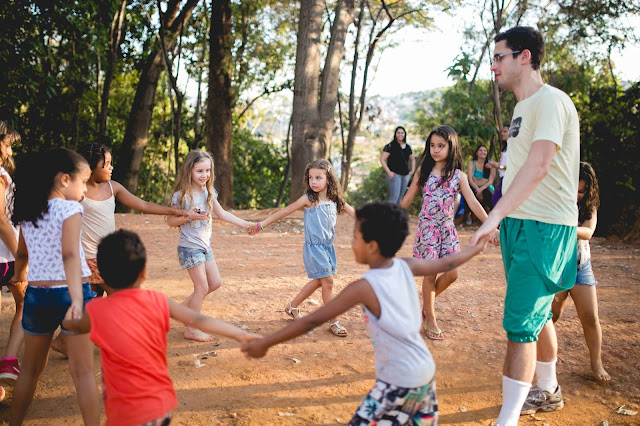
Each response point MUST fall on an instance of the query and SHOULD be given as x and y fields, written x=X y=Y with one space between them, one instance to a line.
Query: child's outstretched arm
x=475 y=206
x=301 y=202
x=77 y=326
x=228 y=217
x=422 y=267
x=128 y=199
x=412 y=191
x=348 y=209
x=358 y=292
x=207 y=324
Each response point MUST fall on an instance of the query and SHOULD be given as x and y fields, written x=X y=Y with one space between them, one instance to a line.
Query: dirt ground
x=321 y=379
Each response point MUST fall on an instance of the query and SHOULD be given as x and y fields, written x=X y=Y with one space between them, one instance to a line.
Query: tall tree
x=137 y=131
x=379 y=21
x=316 y=94
x=115 y=38
x=220 y=101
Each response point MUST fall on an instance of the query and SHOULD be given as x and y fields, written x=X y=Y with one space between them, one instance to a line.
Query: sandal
x=294 y=313
x=433 y=334
x=339 y=330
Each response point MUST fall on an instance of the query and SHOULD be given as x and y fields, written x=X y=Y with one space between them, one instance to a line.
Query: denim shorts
x=585 y=274
x=45 y=308
x=191 y=257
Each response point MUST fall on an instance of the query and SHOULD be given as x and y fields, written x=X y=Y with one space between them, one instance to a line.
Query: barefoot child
x=130 y=327
x=194 y=190
x=440 y=180
x=404 y=392
x=9 y=366
x=322 y=202
x=584 y=292
x=49 y=186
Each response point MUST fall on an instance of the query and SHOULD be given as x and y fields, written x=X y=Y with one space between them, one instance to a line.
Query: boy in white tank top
x=404 y=392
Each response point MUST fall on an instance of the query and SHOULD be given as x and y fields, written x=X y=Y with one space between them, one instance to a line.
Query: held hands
x=75 y=311
x=254 y=228
x=255 y=348
x=195 y=214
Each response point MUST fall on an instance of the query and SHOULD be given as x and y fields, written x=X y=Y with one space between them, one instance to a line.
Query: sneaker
x=9 y=370
x=541 y=400
x=468 y=221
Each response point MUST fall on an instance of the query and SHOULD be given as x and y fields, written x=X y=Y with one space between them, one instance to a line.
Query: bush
x=258 y=168
x=374 y=188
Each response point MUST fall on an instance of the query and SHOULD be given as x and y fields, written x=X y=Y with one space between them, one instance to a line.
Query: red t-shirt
x=131 y=327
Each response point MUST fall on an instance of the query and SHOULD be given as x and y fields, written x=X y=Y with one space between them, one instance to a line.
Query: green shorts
x=540 y=260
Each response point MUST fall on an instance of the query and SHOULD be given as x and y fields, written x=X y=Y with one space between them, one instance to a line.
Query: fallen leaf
x=625 y=412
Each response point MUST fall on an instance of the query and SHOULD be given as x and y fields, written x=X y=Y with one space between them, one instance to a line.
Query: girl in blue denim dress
x=322 y=202
x=583 y=292
x=194 y=190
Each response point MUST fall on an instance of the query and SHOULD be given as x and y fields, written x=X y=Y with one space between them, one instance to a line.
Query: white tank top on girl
x=5 y=254
x=99 y=220
x=402 y=358
x=44 y=243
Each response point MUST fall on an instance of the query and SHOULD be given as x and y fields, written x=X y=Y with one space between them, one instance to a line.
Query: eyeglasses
x=498 y=56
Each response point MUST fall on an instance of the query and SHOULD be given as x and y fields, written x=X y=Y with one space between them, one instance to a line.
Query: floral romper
x=436 y=236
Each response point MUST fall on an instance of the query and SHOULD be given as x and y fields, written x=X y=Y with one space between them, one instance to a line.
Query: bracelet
x=259 y=225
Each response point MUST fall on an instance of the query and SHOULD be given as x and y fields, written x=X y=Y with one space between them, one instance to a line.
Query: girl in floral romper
x=440 y=178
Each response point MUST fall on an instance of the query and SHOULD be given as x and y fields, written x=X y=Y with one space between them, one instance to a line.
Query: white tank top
x=5 y=254
x=402 y=358
x=99 y=220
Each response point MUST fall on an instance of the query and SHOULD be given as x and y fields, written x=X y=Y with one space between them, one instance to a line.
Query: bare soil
x=321 y=379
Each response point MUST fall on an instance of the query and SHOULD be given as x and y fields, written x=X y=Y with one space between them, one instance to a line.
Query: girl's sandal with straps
x=338 y=330
x=294 y=313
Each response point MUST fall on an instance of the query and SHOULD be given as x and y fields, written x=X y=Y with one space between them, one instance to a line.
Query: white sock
x=546 y=378
x=514 y=393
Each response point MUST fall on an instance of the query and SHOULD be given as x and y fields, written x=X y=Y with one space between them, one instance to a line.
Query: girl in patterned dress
x=322 y=202
x=440 y=178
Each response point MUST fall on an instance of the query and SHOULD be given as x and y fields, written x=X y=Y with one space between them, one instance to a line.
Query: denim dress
x=318 y=252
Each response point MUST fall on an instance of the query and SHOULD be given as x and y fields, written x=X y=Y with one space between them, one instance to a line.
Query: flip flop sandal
x=294 y=313
x=433 y=334
x=337 y=329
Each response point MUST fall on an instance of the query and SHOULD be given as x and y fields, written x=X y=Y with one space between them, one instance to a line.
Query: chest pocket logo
x=514 y=128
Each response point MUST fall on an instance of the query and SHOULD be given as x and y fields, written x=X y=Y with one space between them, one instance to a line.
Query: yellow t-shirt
x=549 y=114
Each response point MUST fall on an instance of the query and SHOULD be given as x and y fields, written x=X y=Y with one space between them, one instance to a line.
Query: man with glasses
x=537 y=215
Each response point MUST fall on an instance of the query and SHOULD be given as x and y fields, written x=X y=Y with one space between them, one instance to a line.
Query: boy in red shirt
x=130 y=327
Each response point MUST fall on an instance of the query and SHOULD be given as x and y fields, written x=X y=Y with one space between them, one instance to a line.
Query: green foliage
x=610 y=127
x=374 y=188
x=258 y=169
x=468 y=112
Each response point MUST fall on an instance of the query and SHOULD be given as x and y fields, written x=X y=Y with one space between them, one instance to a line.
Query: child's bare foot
x=195 y=334
x=600 y=373
x=59 y=344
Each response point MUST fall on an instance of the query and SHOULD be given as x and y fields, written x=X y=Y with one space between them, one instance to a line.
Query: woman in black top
x=398 y=163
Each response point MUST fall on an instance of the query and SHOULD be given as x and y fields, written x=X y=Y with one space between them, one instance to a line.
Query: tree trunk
x=314 y=102
x=136 y=134
x=220 y=100
x=115 y=36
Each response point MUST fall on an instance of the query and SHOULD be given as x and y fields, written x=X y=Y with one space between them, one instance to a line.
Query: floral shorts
x=389 y=405
x=95 y=273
